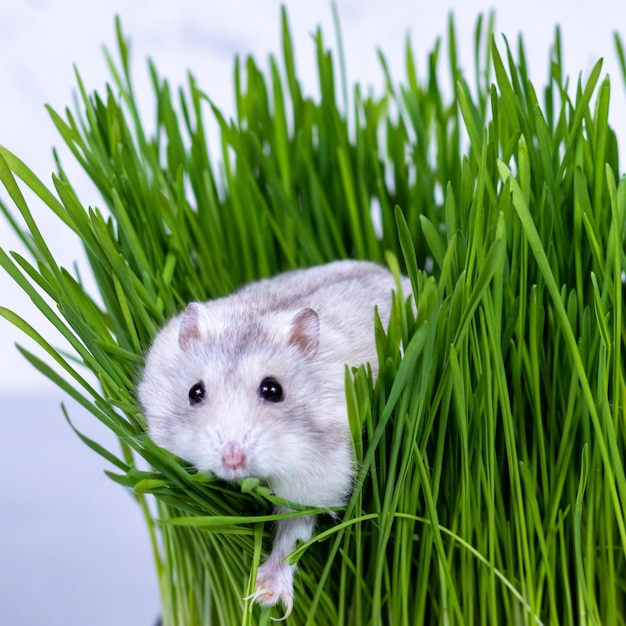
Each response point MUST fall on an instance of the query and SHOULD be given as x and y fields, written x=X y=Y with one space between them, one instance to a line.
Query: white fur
x=299 y=446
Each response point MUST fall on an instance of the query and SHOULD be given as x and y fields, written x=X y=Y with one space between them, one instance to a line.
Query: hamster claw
x=289 y=606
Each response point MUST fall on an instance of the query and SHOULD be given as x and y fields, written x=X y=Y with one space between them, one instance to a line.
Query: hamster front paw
x=274 y=579
x=274 y=583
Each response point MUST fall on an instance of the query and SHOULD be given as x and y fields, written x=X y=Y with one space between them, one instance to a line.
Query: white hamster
x=252 y=385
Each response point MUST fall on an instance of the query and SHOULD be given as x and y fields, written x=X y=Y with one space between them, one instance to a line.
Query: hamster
x=252 y=385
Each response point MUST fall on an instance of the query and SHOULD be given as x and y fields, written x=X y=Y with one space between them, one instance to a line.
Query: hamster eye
x=271 y=390
x=197 y=393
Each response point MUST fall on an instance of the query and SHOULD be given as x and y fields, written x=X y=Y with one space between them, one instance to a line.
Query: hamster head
x=243 y=394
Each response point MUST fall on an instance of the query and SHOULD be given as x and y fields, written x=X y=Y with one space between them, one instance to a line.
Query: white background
x=73 y=550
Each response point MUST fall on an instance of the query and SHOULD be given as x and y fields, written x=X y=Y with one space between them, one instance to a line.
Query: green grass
x=491 y=485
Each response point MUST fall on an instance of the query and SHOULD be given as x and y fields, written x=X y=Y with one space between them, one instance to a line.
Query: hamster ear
x=305 y=332
x=189 y=326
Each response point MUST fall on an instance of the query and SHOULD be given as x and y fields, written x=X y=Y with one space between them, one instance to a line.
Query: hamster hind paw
x=274 y=584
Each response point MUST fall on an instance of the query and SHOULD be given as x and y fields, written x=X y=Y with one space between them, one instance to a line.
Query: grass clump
x=491 y=446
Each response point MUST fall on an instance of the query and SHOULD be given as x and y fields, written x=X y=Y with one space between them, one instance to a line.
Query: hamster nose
x=234 y=457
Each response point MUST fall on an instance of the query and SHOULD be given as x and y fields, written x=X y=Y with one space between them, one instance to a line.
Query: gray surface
x=73 y=548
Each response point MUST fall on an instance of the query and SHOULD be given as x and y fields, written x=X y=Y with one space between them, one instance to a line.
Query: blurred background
x=73 y=548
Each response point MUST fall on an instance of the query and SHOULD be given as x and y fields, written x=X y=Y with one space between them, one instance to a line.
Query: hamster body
x=253 y=385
